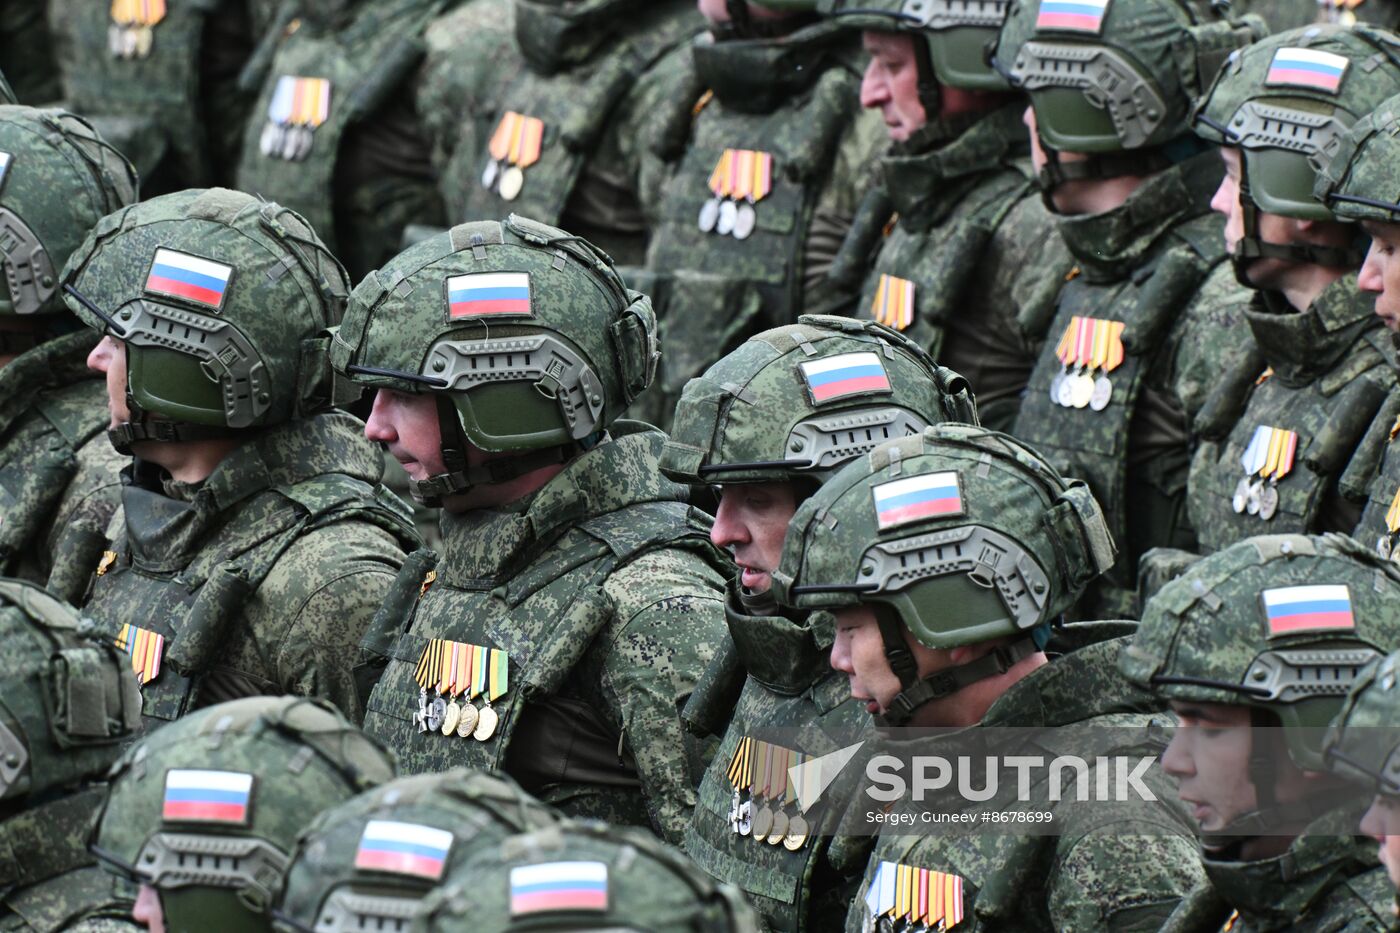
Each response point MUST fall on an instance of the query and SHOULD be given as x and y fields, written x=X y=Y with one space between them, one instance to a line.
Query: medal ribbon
x=795 y=759
x=449 y=677
x=738 y=764
x=506 y=131
x=903 y=890
x=1064 y=351
x=145 y=648
x=500 y=674
x=742 y=189
x=1392 y=515
x=479 y=660
x=428 y=663
x=1098 y=357
x=1257 y=452
x=518 y=140
x=1288 y=449
x=1084 y=342
x=1108 y=345
x=152 y=12
x=462 y=669
x=894 y=302
x=767 y=771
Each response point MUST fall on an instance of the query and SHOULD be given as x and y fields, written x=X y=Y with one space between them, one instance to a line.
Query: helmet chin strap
x=1252 y=246
x=142 y=427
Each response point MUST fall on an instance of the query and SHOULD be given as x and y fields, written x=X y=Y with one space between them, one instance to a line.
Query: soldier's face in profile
x=1382 y=823
x=1209 y=757
x=1380 y=273
x=891 y=83
x=109 y=358
x=859 y=653
x=148 y=911
x=750 y=524
x=407 y=424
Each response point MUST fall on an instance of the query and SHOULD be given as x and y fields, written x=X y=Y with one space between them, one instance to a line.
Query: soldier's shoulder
x=1365 y=901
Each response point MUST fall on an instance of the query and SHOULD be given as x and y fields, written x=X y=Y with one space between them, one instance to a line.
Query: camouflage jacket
x=968 y=254
x=796 y=101
x=589 y=85
x=58 y=473
x=1107 y=867
x=1328 y=374
x=1327 y=880
x=26 y=48
x=262 y=578
x=601 y=597
x=793 y=699
x=1156 y=265
x=1373 y=478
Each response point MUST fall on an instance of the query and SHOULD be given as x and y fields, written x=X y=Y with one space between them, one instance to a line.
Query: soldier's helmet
x=797 y=402
x=960 y=535
x=525 y=335
x=1363 y=743
x=369 y=862
x=1115 y=79
x=224 y=303
x=68 y=704
x=208 y=809
x=1361 y=181
x=57 y=179
x=583 y=875
x=1282 y=624
x=1286 y=103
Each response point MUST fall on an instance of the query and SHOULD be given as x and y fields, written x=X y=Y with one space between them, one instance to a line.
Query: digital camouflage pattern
x=1359 y=181
x=278 y=761
x=646 y=885
x=1322 y=373
x=340 y=880
x=67 y=707
x=586 y=71
x=1361 y=742
x=58 y=484
x=367 y=173
x=796 y=99
x=26 y=48
x=1288 y=14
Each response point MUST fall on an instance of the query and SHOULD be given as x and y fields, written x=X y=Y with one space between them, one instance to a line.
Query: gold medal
x=450 y=717
x=468 y=721
x=512 y=181
x=485 y=724
x=762 y=824
x=796 y=836
x=778 y=832
x=145 y=37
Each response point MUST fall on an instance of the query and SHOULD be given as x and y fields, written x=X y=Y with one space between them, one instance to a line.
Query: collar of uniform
x=1275 y=893
x=782 y=655
x=553 y=37
x=1111 y=244
x=622 y=471
x=926 y=177
x=1300 y=346
x=761 y=75
x=54 y=363
x=1073 y=687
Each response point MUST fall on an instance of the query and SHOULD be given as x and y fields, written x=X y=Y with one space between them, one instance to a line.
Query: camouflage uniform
x=26 y=48
x=1030 y=541
x=1291 y=14
x=262 y=577
x=58 y=474
x=177 y=111
x=596 y=597
x=793 y=99
x=1209 y=637
x=1153 y=269
x=969 y=257
x=757 y=416
x=584 y=72
x=353 y=161
x=67 y=705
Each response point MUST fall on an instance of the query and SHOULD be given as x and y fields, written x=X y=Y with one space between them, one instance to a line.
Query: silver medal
x=1055 y=386
x=420 y=718
x=1241 y=498
x=728 y=213
x=709 y=215
x=746 y=817
x=1103 y=394
x=436 y=711
x=1268 y=502
x=1066 y=391
x=744 y=222
x=490 y=174
x=303 y=143
x=1384 y=546
x=114 y=40
x=1251 y=504
x=270 y=142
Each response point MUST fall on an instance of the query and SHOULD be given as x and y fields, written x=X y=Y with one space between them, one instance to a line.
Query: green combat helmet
x=1361 y=181
x=797 y=402
x=1282 y=624
x=524 y=334
x=1116 y=80
x=369 y=862
x=207 y=809
x=1286 y=102
x=960 y=535
x=1363 y=744
x=583 y=875
x=224 y=303
x=57 y=179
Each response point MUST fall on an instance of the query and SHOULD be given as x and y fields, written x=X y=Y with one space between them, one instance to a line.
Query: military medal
x=797 y=831
x=429 y=667
x=1266 y=461
x=466 y=723
x=1082 y=390
x=299 y=105
x=1385 y=546
x=498 y=670
x=744 y=222
x=1241 y=497
x=453 y=714
x=894 y=302
x=514 y=147
x=727 y=212
x=1253 y=459
x=1108 y=356
x=1089 y=349
x=131 y=33
x=741 y=178
x=146 y=649
x=420 y=718
x=740 y=772
x=763 y=820
x=709 y=215
x=906 y=897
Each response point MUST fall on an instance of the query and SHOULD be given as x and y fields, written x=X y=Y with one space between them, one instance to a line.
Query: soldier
x=1136 y=341
x=334 y=135
x=161 y=80
x=571 y=112
x=1282 y=425
x=766 y=150
x=58 y=474
x=369 y=862
x=203 y=813
x=1255 y=647
x=1357 y=185
x=67 y=705
x=945 y=558
x=587 y=876
x=577 y=599
x=253 y=542
x=961 y=250
x=765 y=425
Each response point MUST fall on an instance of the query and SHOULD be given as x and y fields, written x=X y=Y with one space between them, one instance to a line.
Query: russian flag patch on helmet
x=845 y=374
x=1072 y=15
x=908 y=500
x=1310 y=68
x=486 y=294
x=1319 y=607
x=555 y=886
x=181 y=275
x=404 y=849
x=207 y=796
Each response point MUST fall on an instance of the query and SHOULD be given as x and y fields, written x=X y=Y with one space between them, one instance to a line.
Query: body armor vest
x=1326 y=404
x=793 y=698
x=192 y=579
x=51 y=406
x=575 y=107
x=1373 y=477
